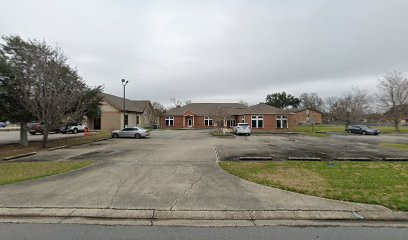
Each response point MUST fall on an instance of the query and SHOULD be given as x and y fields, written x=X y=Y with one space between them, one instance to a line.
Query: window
x=257 y=121
x=208 y=121
x=281 y=121
x=137 y=120
x=126 y=119
x=243 y=119
x=169 y=121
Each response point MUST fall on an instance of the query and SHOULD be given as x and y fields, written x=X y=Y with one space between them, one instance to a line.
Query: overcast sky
x=220 y=51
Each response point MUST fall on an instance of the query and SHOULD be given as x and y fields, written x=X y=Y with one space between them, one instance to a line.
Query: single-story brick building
x=307 y=116
x=261 y=117
x=139 y=114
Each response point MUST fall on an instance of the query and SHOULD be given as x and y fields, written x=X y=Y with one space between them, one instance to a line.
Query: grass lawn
x=21 y=171
x=383 y=183
x=14 y=149
x=305 y=129
x=221 y=134
x=398 y=146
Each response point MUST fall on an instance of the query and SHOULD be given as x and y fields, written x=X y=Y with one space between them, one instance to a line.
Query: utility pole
x=124 y=83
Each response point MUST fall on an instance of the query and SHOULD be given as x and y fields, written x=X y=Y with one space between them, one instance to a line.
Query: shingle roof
x=263 y=108
x=131 y=105
x=206 y=109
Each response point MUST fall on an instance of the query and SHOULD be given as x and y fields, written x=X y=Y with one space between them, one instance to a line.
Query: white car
x=75 y=128
x=242 y=128
x=131 y=132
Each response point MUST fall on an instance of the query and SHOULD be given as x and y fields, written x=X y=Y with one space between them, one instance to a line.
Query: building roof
x=297 y=110
x=131 y=105
x=206 y=109
x=263 y=108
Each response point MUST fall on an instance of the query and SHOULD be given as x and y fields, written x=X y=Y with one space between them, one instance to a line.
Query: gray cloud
x=212 y=51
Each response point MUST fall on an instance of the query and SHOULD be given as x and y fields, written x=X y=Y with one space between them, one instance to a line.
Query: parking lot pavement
x=171 y=170
x=7 y=137
x=281 y=146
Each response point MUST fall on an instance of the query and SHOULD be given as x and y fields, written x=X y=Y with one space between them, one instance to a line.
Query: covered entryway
x=189 y=122
x=188 y=119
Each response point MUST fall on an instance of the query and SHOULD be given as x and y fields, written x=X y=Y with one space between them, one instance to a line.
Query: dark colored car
x=38 y=127
x=362 y=129
x=3 y=125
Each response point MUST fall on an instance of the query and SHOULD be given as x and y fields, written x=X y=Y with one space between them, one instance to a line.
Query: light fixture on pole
x=124 y=83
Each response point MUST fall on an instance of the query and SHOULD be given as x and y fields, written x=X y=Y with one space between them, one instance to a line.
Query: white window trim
x=171 y=120
x=207 y=121
x=257 y=118
x=281 y=118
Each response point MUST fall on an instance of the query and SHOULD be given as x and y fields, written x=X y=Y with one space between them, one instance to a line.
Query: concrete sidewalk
x=192 y=218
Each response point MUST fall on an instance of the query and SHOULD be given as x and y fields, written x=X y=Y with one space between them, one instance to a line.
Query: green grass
x=398 y=146
x=22 y=171
x=340 y=128
x=383 y=183
x=221 y=134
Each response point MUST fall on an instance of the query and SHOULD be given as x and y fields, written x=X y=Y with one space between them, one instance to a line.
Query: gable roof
x=131 y=105
x=206 y=109
x=263 y=108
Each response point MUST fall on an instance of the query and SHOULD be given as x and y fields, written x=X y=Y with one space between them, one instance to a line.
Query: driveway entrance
x=171 y=170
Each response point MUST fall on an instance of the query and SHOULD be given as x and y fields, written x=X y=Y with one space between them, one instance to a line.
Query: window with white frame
x=281 y=121
x=169 y=121
x=257 y=121
x=243 y=119
x=208 y=121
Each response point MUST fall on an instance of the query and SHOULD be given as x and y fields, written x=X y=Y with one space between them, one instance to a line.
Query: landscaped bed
x=16 y=149
x=383 y=183
x=12 y=172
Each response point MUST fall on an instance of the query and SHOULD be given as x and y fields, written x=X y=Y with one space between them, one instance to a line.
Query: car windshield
x=243 y=124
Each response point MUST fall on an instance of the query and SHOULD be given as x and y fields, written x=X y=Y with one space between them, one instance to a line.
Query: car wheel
x=137 y=135
x=63 y=132
x=349 y=131
x=75 y=131
x=364 y=133
x=115 y=135
x=32 y=133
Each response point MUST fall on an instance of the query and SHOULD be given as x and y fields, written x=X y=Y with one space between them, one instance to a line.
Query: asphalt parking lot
x=282 y=146
x=171 y=170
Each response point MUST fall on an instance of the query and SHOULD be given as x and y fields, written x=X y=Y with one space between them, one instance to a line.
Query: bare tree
x=311 y=101
x=156 y=111
x=350 y=107
x=50 y=89
x=219 y=116
x=393 y=97
x=243 y=103
x=176 y=102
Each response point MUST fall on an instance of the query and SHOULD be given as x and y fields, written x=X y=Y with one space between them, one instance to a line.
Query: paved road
x=98 y=232
x=171 y=170
x=7 y=137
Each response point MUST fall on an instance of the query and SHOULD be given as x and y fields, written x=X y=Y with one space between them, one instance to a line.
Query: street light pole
x=124 y=83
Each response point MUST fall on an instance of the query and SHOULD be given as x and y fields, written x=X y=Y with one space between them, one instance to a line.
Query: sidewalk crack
x=188 y=189
x=116 y=192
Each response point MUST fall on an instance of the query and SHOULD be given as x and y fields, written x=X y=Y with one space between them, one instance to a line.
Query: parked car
x=362 y=129
x=38 y=127
x=74 y=128
x=129 y=132
x=3 y=125
x=242 y=128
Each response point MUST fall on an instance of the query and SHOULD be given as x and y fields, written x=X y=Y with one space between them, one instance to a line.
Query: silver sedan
x=131 y=132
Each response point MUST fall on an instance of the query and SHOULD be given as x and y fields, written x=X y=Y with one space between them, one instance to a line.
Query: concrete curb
x=56 y=148
x=19 y=156
x=146 y=214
